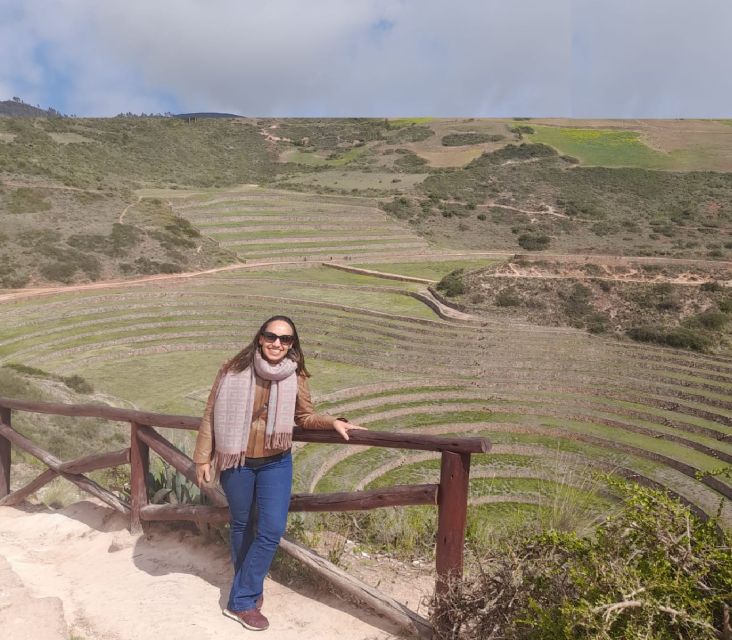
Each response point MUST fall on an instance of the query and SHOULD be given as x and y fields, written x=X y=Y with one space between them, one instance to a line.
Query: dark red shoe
x=251 y=619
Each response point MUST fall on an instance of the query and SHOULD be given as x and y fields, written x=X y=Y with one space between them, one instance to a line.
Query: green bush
x=400 y=207
x=508 y=297
x=412 y=133
x=710 y=319
x=654 y=571
x=712 y=286
x=597 y=322
x=460 y=139
x=410 y=162
x=534 y=241
x=58 y=271
x=452 y=284
x=679 y=337
x=78 y=384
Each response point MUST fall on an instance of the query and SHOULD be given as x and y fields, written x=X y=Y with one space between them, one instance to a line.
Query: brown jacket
x=305 y=417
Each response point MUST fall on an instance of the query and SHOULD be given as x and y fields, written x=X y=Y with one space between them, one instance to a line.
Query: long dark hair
x=244 y=358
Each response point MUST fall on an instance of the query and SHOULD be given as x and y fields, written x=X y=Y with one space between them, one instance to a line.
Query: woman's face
x=274 y=351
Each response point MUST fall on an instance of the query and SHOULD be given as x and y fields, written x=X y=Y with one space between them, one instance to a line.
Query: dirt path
x=78 y=572
x=121 y=218
x=363 y=258
x=109 y=284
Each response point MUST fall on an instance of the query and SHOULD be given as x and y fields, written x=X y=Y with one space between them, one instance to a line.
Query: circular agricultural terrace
x=559 y=405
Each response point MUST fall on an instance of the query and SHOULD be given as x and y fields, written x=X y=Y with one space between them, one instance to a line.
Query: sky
x=380 y=58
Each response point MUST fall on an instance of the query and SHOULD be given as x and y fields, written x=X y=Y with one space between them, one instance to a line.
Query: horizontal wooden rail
x=356 y=501
x=397 y=496
x=399 y=440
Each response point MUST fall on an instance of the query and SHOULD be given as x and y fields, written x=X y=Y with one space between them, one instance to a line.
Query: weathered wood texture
x=16 y=497
x=359 y=500
x=54 y=463
x=401 y=440
x=356 y=501
x=350 y=586
x=452 y=517
x=180 y=462
x=139 y=466
x=96 y=461
x=4 y=455
x=370 y=438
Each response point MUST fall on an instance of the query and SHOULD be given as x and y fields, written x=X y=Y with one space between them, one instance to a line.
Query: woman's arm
x=306 y=417
x=203 y=452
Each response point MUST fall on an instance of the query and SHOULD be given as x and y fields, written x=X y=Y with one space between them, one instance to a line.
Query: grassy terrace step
x=546 y=422
x=708 y=362
x=321 y=250
x=565 y=404
x=348 y=471
x=344 y=235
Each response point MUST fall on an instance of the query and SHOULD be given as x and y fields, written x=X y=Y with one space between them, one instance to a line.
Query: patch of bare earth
x=79 y=572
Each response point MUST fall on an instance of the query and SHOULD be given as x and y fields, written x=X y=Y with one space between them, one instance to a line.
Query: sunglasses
x=285 y=340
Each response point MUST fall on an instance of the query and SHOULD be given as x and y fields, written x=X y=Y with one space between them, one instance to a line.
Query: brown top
x=305 y=417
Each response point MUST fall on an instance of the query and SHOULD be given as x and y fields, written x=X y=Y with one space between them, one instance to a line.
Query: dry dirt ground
x=77 y=573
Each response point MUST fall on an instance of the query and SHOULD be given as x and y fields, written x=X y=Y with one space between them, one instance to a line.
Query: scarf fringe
x=281 y=440
x=226 y=461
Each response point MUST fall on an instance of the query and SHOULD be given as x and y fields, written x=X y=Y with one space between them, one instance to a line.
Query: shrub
x=459 y=139
x=412 y=133
x=78 y=384
x=521 y=129
x=534 y=241
x=58 y=271
x=452 y=284
x=400 y=207
x=597 y=322
x=508 y=297
x=145 y=266
x=679 y=337
x=410 y=162
x=710 y=319
x=712 y=286
x=654 y=571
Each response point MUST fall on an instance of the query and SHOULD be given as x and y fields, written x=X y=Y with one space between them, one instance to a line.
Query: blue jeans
x=265 y=491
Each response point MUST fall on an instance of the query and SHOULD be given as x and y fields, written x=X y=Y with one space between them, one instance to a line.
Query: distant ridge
x=207 y=114
x=16 y=108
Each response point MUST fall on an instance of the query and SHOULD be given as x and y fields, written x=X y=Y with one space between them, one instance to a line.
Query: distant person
x=246 y=431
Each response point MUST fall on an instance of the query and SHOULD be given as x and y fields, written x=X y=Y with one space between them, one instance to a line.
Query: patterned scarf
x=234 y=404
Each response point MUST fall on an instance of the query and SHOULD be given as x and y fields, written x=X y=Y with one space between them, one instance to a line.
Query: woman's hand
x=203 y=472
x=343 y=427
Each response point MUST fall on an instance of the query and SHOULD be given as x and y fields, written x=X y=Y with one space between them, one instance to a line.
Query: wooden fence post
x=4 y=455
x=139 y=466
x=452 y=516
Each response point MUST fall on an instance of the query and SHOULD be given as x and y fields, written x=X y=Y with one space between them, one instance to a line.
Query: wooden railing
x=450 y=495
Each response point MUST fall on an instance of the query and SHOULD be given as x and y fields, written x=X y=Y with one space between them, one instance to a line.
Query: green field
x=603 y=147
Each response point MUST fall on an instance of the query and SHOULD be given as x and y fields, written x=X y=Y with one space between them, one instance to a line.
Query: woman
x=246 y=430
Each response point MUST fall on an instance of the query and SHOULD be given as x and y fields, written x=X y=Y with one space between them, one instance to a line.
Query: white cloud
x=657 y=58
x=369 y=57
